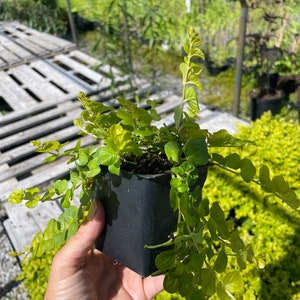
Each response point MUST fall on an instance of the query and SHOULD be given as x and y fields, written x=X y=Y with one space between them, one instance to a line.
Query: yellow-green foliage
x=270 y=226
x=166 y=296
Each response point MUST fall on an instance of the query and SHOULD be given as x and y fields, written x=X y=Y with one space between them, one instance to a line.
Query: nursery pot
x=269 y=102
x=138 y=213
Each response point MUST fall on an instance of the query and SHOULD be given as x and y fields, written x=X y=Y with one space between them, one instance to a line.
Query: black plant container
x=259 y=105
x=138 y=213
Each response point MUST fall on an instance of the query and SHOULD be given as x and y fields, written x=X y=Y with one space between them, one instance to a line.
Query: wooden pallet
x=19 y=44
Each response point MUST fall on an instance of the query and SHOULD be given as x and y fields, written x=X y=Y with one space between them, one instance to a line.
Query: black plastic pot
x=138 y=213
x=259 y=105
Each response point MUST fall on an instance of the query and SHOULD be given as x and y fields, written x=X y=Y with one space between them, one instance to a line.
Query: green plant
x=205 y=243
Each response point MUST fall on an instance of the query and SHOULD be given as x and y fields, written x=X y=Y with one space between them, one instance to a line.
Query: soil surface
x=155 y=165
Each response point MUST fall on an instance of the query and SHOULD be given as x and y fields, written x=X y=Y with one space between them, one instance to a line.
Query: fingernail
x=92 y=210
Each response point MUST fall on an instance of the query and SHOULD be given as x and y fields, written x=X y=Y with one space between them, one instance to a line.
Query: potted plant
x=195 y=240
x=264 y=54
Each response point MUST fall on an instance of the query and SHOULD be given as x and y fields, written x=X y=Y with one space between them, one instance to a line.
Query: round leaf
x=172 y=150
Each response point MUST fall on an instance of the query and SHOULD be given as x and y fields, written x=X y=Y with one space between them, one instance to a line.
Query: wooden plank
x=29 y=46
x=20 y=231
x=93 y=79
x=57 y=170
x=23 y=224
x=13 y=94
x=3 y=168
x=20 y=52
x=38 y=132
x=101 y=95
x=65 y=83
x=36 y=83
x=38 y=119
x=27 y=149
x=2 y=63
x=31 y=164
x=92 y=62
x=8 y=56
x=54 y=42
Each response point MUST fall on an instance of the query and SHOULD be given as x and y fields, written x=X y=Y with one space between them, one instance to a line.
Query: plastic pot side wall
x=260 y=105
x=138 y=213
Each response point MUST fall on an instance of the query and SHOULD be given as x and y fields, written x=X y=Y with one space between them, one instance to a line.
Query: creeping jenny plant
x=197 y=254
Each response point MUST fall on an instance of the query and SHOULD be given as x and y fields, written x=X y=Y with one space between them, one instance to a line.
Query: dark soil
x=144 y=165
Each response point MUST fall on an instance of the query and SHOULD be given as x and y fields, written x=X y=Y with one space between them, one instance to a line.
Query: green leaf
x=94 y=168
x=265 y=181
x=233 y=161
x=51 y=229
x=223 y=138
x=241 y=262
x=171 y=284
x=196 y=152
x=115 y=168
x=33 y=202
x=165 y=260
x=236 y=241
x=184 y=70
x=60 y=186
x=197 y=53
x=72 y=229
x=65 y=201
x=83 y=158
x=291 y=199
x=74 y=178
x=212 y=227
x=177 y=116
x=191 y=98
x=248 y=170
x=197 y=260
x=155 y=116
x=50 y=158
x=172 y=150
x=195 y=81
x=59 y=239
x=233 y=282
x=186 y=47
x=49 y=244
x=173 y=199
x=217 y=213
x=208 y=281
x=221 y=262
x=203 y=208
x=107 y=156
x=218 y=158
x=221 y=292
x=280 y=185
x=16 y=196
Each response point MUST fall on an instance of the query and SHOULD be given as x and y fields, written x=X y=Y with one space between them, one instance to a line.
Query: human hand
x=79 y=271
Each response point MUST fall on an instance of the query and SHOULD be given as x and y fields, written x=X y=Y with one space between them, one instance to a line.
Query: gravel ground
x=10 y=288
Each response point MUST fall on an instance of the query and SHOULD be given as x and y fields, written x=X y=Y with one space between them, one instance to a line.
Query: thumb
x=84 y=239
